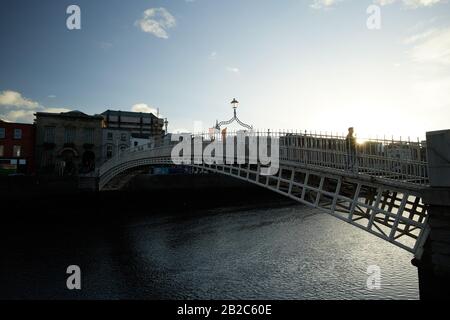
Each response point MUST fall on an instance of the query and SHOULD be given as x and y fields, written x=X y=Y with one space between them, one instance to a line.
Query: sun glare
x=361 y=141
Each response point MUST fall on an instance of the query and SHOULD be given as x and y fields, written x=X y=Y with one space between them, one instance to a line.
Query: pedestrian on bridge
x=350 y=144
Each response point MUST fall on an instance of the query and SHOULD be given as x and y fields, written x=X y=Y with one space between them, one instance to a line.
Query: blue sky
x=293 y=64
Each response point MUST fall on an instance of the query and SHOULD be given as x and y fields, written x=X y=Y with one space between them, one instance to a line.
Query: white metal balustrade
x=394 y=160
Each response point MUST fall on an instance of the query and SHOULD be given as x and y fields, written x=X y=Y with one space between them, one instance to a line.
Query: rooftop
x=129 y=113
x=12 y=124
x=70 y=114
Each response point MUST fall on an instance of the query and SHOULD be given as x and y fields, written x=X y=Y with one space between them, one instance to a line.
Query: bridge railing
x=387 y=159
x=390 y=159
x=133 y=153
x=393 y=159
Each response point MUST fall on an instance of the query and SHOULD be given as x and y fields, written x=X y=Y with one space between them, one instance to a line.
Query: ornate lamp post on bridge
x=235 y=104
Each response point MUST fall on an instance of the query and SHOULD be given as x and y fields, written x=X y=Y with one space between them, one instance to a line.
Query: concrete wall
x=434 y=264
x=438 y=156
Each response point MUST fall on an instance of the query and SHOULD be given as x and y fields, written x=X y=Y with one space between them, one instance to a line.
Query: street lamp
x=235 y=104
x=166 y=123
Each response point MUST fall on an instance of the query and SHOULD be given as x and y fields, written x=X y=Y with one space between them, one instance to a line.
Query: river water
x=284 y=252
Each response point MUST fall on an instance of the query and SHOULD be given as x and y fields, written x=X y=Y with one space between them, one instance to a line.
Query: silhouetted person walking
x=350 y=144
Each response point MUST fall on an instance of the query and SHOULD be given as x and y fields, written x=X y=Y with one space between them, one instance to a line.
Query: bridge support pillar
x=434 y=264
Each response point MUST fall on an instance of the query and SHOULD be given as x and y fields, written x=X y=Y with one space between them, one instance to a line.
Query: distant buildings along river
x=70 y=143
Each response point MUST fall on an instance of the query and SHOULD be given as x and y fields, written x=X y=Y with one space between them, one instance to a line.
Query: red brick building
x=17 y=142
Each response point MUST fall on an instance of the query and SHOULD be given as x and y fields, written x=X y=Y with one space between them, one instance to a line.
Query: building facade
x=141 y=125
x=135 y=142
x=17 y=148
x=68 y=143
x=114 y=141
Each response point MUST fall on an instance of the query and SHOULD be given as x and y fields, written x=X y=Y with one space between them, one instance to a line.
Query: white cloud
x=323 y=4
x=213 y=55
x=432 y=46
x=14 y=99
x=105 y=45
x=233 y=70
x=16 y=108
x=420 y=36
x=384 y=2
x=421 y=3
x=156 y=21
x=145 y=108
x=420 y=25
x=429 y=62
x=25 y=116
x=55 y=110
x=413 y=4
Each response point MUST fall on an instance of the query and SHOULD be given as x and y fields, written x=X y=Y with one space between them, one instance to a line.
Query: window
x=17 y=133
x=2 y=133
x=17 y=151
x=89 y=135
x=69 y=135
x=123 y=137
x=49 y=134
x=1 y=151
x=110 y=136
x=109 y=152
x=48 y=159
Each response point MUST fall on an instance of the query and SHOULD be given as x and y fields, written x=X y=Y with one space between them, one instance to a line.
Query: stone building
x=141 y=125
x=68 y=143
x=114 y=141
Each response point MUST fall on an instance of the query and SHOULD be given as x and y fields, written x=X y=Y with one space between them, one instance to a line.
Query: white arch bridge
x=381 y=194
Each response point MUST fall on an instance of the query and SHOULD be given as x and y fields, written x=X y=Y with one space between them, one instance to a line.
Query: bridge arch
x=391 y=212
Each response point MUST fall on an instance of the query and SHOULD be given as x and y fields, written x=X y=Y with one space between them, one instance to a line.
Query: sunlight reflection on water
x=283 y=253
